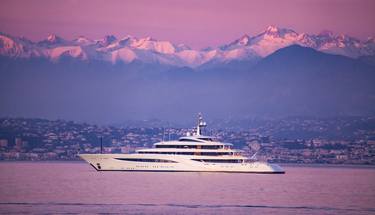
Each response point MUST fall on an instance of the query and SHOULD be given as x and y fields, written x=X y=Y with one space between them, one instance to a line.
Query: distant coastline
x=344 y=141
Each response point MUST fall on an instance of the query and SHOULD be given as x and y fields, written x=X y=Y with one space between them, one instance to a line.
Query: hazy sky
x=197 y=23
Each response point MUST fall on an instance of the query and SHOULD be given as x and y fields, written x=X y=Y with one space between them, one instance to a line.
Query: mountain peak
x=81 y=37
x=52 y=39
x=148 y=38
x=346 y=38
x=126 y=37
x=272 y=29
x=277 y=31
x=109 y=38
x=244 y=40
x=326 y=33
x=82 y=40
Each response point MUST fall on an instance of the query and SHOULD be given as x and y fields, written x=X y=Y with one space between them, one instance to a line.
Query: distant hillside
x=304 y=81
x=291 y=81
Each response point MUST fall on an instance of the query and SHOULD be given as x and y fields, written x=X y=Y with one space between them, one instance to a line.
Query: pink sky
x=197 y=23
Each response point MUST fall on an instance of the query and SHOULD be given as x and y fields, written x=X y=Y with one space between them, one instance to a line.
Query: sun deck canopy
x=199 y=138
x=186 y=141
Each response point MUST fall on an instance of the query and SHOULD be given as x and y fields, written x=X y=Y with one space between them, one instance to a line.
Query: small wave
x=191 y=206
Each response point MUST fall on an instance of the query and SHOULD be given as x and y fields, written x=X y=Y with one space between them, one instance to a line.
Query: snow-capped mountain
x=273 y=39
x=52 y=41
x=18 y=47
x=149 y=50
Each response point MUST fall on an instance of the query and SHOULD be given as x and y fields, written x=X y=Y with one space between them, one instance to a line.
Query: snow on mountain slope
x=192 y=57
x=68 y=51
x=10 y=47
x=18 y=47
x=125 y=55
x=146 y=50
x=53 y=41
x=264 y=43
x=274 y=38
x=149 y=50
x=83 y=41
x=151 y=44
x=239 y=43
x=107 y=40
x=340 y=44
x=239 y=54
x=128 y=55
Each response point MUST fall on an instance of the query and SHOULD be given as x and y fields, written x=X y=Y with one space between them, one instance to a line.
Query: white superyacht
x=192 y=153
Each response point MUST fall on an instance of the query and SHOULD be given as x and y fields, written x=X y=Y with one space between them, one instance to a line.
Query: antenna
x=163 y=134
x=169 y=135
x=101 y=145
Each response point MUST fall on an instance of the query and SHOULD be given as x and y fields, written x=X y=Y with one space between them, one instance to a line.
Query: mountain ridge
x=149 y=50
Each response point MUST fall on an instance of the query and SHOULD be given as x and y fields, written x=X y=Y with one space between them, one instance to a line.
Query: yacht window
x=219 y=161
x=211 y=146
x=215 y=153
x=177 y=146
x=206 y=139
x=146 y=160
x=188 y=140
x=190 y=146
x=184 y=153
x=189 y=153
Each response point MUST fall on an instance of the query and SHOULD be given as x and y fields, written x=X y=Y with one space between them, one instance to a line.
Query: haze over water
x=77 y=188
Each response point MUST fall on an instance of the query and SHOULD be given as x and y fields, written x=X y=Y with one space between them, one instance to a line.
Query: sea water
x=76 y=188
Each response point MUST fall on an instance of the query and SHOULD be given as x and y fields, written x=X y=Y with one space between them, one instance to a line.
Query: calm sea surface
x=76 y=188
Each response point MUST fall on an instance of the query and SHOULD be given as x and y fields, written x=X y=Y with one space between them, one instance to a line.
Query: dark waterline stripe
x=104 y=170
x=151 y=170
x=192 y=206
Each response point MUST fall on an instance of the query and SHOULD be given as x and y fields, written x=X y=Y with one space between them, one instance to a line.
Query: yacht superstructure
x=192 y=153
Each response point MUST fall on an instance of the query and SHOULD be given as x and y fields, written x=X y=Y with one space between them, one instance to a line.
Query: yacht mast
x=201 y=125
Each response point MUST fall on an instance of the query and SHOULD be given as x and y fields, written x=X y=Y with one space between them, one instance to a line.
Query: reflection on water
x=77 y=188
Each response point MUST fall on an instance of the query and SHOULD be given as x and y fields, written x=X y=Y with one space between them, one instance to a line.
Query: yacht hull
x=174 y=163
